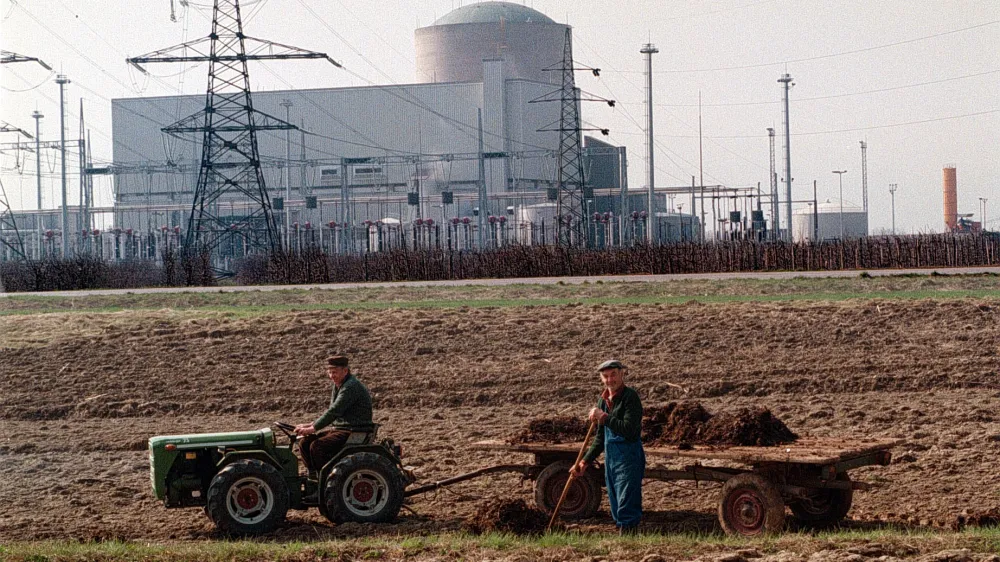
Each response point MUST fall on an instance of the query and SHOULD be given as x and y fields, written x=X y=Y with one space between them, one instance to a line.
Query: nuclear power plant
x=487 y=147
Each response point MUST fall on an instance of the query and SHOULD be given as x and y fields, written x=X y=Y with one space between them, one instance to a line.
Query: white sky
x=918 y=79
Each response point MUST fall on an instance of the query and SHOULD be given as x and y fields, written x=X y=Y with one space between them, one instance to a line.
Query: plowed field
x=80 y=394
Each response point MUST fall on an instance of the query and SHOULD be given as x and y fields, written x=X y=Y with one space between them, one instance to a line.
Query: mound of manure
x=684 y=424
x=507 y=516
x=559 y=429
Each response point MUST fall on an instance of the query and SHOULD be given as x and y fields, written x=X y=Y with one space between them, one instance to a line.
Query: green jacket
x=350 y=406
x=624 y=419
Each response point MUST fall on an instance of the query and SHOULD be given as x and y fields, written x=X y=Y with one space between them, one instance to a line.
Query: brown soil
x=80 y=394
x=753 y=427
x=674 y=424
x=552 y=430
x=507 y=516
x=987 y=518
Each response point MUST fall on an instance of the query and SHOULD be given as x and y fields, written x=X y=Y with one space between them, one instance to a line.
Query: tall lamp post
x=892 y=192
x=982 y=212
x=840 y=174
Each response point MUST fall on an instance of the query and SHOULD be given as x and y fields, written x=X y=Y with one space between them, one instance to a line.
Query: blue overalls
x=624 y=469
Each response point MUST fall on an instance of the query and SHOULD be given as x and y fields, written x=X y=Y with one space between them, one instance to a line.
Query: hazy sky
x=919 y=80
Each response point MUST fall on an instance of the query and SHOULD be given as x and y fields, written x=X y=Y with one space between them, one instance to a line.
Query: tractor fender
x=262 y=456
x=353 y=449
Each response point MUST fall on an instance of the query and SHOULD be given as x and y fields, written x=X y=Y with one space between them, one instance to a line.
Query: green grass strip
x=463 y=546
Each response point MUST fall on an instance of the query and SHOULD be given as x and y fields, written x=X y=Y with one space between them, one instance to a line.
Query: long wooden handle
x=562 y=497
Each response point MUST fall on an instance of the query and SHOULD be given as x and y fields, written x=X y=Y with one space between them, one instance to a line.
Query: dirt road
x=81 y=393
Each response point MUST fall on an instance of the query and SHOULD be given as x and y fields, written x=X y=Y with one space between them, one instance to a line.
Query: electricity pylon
x=230 y=159
x=7 y=222
x=572 y=218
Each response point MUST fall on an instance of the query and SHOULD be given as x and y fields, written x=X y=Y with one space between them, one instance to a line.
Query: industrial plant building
x=404 y=152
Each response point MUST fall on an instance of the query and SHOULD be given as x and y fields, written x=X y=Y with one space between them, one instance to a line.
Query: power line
x=831 y=96
x=818 y=57
x=834 y=131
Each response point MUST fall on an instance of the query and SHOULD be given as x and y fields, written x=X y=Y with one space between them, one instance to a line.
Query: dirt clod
x=507 y=516
x=987 y=518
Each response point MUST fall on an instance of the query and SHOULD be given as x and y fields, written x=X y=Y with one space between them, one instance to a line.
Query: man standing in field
x=350 y=409
x=619 y=418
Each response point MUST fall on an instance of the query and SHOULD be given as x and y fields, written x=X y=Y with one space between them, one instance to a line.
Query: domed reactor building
x=395 y=153
x=453 y=48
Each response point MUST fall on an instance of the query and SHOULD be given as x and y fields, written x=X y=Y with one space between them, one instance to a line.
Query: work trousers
x=319 y=448
x=624 y=469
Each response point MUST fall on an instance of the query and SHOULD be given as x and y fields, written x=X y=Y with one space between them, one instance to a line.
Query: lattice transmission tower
x=230 y=159
x=572 y=217
x=7 y=220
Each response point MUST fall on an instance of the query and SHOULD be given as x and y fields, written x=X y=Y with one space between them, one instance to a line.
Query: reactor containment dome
x=454 y=47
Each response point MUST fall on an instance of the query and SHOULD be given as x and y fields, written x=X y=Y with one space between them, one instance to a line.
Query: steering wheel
x=288 y=429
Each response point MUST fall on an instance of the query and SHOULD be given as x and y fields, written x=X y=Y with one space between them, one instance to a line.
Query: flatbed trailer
x=809 y=476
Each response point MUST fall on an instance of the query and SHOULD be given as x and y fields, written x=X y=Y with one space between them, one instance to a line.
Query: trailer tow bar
x=523 y=469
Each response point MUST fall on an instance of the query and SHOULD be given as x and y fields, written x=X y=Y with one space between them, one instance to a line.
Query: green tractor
x=246 y=481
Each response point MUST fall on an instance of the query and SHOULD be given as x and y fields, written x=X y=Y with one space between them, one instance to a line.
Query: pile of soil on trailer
x=678 y=424
x=559 y=429
x=505 y=515
x=683 y=424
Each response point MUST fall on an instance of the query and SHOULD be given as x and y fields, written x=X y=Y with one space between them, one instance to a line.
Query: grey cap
x=611 y=364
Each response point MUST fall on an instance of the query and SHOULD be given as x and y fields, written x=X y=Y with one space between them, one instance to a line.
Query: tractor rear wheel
x=247 y=497
x=365 y=488
x=582 y=499
x=751 y=505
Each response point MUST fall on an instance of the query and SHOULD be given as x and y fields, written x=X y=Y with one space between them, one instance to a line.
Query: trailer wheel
x=247 y=497
x=824 y=506
x=583 y=498
x=364 y=487
x=751 y=505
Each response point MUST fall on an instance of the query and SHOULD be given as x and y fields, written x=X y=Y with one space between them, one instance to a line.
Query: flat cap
x=611 y=364
x=336 y=361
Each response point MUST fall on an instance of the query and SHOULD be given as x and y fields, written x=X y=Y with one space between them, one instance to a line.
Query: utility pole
x=786 y=79
x=482 y=189
x=864 y=176
x=38 y=161
x=649 y=50
x=775 y=219
x=815 y=214
x=701 y=167
x=982 y=213
x=62 y=81
x=892 y=192
x=287 y=104
x=840 y=174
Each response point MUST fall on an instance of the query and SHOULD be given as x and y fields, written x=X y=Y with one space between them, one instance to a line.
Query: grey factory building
x=404 y=144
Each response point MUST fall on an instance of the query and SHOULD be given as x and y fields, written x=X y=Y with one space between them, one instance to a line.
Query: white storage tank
x=828 y=217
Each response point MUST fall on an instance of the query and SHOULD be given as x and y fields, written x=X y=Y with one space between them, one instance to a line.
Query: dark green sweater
x=624 y=419
x=350 y=406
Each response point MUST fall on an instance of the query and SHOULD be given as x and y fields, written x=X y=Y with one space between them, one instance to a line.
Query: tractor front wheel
x=247 y=497
x=365 y=488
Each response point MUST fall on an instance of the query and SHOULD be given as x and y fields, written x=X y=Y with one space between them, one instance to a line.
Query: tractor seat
x=363 y=436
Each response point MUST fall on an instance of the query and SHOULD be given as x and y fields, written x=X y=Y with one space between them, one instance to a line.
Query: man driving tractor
x=350 y=408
